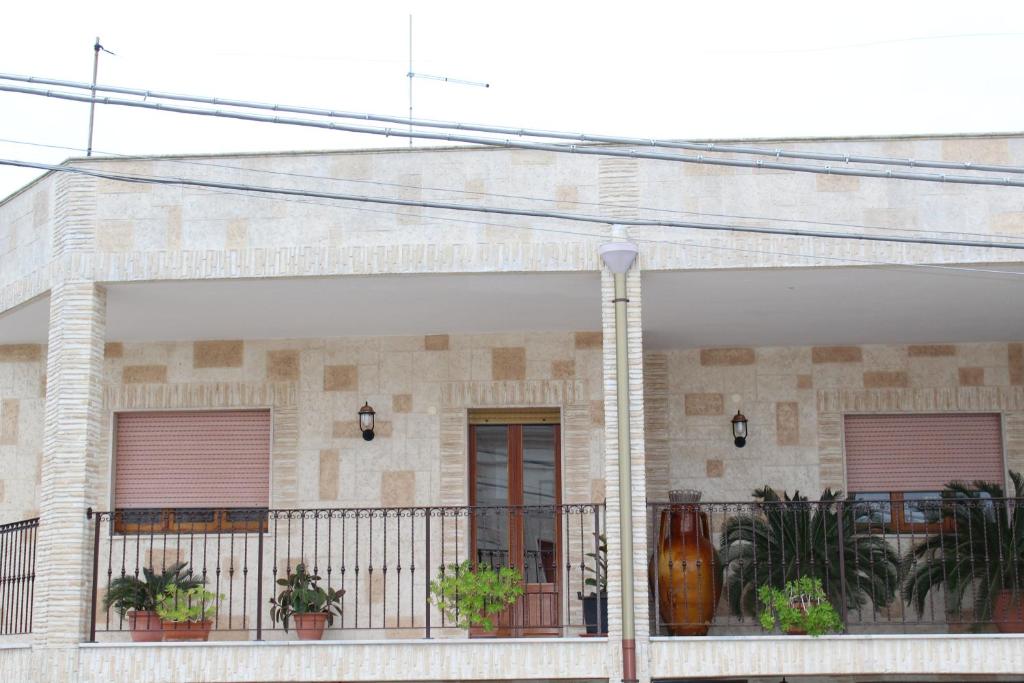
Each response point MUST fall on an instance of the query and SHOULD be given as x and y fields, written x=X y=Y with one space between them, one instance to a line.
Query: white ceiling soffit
x=683 y=309
x=26 y=324
x=788 y=307
x=353 y=306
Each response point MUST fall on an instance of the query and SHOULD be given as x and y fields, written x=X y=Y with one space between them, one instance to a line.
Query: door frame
x=515 y=421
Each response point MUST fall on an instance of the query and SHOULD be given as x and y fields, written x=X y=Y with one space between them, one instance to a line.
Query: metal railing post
x=840 y=533
x=89 y=514
x=264 y=528
x=426 y=576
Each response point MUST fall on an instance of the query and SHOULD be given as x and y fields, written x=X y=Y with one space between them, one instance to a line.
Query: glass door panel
x=539 y=488
x=491 y=488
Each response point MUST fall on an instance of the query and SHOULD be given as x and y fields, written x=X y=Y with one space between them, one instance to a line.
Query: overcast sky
x=713 y=69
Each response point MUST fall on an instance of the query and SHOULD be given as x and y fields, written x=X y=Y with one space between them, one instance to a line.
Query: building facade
x=187 y=365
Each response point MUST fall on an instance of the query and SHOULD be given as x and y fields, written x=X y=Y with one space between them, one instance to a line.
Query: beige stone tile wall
x=794 y=399
x=317 y=386
x=26 y=222
x=22 y=407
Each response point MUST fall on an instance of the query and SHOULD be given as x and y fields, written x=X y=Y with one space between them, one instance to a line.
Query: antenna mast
x=412 y=74
x=92 y=105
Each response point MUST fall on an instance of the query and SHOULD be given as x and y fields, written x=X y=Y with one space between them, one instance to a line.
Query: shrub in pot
x=787 y=538
x=187 y=614
x=302 y=600
x=982 y=555
x=595 y=603
x=471 y=597
x=799 y=608
x=136 y=598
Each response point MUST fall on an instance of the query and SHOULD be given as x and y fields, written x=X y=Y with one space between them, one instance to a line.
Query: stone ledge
x=384 y=660
x=871 y=655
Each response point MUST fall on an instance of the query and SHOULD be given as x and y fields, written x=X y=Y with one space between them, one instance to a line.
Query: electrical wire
x=534 y=133
x=500 y=195
x=583 y=218
x=545 y=147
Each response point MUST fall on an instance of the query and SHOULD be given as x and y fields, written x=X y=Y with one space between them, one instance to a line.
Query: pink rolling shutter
x=921 y=452
x=192 y=459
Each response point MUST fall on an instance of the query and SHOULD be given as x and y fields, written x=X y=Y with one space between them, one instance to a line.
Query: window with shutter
x=191 y=470
x=897 y=465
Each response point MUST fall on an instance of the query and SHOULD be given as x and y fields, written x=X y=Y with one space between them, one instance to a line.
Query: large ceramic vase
x=689 y=583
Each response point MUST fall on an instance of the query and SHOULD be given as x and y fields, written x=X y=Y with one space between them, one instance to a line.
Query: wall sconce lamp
x=366 y=414
x=739 y=430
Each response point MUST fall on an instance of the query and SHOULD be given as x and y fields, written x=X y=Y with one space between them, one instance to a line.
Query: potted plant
x=472 y=596
x=595 y=604
x=981 y=555
x=787 y=538
x=186 y=614
x=135 y=598
x=303 y=600
x=799 y=608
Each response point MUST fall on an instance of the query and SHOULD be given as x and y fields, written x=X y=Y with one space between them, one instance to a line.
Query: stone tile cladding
x=794 y=399
x=110 y=231
x=22 y=408
x=420 y=388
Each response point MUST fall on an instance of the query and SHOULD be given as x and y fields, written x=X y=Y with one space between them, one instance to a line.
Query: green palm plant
x=983 y=552
x=787 y=538
x=129 y=592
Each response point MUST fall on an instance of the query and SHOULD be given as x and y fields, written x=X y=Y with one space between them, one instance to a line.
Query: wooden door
x=515 y=488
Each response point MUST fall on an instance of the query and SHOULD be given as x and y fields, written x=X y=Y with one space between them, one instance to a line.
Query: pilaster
x=636 y=409
x=70 y=456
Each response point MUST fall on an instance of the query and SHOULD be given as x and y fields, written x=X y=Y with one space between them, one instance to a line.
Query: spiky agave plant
x=984 y=551
x=129 y=592
x=789 y=537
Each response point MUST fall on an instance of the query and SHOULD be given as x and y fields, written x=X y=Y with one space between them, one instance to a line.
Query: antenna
x=445 y=79
x=92 y=105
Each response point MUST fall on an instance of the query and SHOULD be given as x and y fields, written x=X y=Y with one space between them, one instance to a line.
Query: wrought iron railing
x=17 y=575
x=382 y=558
x=935 y=565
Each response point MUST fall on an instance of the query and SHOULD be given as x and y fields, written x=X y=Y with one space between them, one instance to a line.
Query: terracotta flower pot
x=1008 y=611
x=310 y=625
x=145 y=626
x=177 y=631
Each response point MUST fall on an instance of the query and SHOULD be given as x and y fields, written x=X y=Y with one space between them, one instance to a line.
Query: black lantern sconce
x=739 y=430
x=366 y=414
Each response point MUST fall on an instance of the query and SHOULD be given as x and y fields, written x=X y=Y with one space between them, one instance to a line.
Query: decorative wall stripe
x=512 y=393
x=199 y=395
x=656 y=425
x=921 y=400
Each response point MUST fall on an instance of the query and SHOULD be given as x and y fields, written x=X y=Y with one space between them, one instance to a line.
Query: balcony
x=381 y=560
x=941 y=565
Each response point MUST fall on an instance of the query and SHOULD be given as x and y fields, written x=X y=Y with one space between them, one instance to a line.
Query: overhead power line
x=508 y=211
x=546 y=147
x=777 y=153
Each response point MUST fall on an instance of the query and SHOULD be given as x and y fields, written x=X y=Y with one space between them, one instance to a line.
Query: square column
x=74 y=370
x=638 y=470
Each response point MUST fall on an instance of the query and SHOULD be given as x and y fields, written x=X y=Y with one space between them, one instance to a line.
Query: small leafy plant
x=801 y=606
x=132 y=593
x=302 y=594
x=598 y=578
x=192 y=604
x=471 y=596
